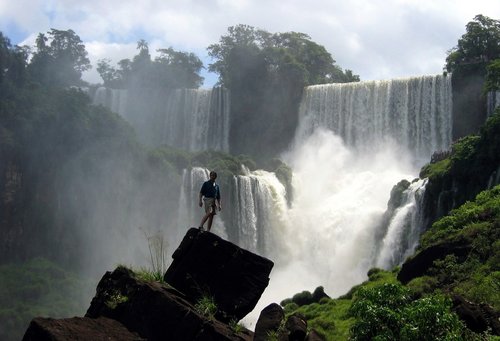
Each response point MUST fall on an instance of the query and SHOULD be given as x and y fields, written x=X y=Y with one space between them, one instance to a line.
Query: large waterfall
x=354 y=142
x=189 y=119
x=414 y=112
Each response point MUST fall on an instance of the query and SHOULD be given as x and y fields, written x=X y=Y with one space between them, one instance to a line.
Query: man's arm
x=199 y=200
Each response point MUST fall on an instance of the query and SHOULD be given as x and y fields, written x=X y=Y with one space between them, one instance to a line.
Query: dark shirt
x=210 y=190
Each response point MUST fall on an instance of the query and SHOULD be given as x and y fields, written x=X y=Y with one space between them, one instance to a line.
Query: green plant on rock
x=157 y=250
x=206 y=306
x=235 y=326
x=114 y=298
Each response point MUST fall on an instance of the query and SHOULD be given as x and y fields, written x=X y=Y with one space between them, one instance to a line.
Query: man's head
x=213 y=175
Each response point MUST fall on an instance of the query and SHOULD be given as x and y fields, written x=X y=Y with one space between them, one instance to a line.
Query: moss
x=436 y=170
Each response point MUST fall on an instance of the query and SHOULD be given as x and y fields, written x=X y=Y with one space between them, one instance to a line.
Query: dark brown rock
x=206 y=265
x=478 y=317
x=297 y=327
x=155 y=311
x=78 y=329
x=270 y=320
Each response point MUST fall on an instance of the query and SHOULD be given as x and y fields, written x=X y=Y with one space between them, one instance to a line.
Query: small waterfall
x=113 y=99
x=404 y=228
x=259 y=201
x=492 y=102
x=413 y=112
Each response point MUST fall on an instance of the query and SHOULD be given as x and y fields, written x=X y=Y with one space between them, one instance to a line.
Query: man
x=210 y=194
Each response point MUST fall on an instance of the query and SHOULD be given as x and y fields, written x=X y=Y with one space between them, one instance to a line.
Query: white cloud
x=375 y=39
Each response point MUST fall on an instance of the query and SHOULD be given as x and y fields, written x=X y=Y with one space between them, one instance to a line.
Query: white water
x=415 y=112
x=197 y=119
x=188 y=119
x=404 y=228
x=354 y=143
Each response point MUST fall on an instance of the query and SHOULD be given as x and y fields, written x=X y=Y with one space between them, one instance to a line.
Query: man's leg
x=210 y=220
x=204 y=219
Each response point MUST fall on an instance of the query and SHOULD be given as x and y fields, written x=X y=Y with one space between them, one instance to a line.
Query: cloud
x=396 y=38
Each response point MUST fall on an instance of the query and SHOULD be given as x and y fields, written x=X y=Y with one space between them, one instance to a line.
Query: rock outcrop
x=207 y=265
x=155 y=311
x=272 y=325
x=78 y=328
x=128 y=308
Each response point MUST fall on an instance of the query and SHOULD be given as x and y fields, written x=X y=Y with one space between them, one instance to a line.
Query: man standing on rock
x=210 y=194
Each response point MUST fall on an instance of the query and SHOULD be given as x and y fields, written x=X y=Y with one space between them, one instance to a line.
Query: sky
x=375 y=39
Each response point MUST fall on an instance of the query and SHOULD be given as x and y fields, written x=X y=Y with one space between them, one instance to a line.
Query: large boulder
x=155 y=311
x=270 y=320
x=206 y=265
x=78 y=328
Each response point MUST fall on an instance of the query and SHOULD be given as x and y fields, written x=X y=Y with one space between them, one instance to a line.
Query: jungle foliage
x=38 y=288
x=266 y=74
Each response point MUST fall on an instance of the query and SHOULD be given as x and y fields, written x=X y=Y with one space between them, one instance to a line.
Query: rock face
x=78 y=328
x=155 y=311
x=418 y=265
x=128 y=308
x=478 y=317
x=206 y=265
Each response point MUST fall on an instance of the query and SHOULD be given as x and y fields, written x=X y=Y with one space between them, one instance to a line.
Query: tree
x=477 y=47
x=493 y=76
x=176 y=69
x=170 y=70
x=60 y=59
x=266 y=74
x=108 y=73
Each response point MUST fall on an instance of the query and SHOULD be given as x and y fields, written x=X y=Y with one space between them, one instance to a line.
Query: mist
x=329 y=233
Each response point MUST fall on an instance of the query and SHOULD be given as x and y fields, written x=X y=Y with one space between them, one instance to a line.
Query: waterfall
x=404 y=228
x=256 y=209
x=413 y=112
x=189 y=119
x=492 y=102
x=113 y=99
x=197 y=119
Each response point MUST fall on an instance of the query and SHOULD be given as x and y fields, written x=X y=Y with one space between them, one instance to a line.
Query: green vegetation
x=387 y=312
x=478 y=47
x=331 y=317
x=115 y=298
x=206 y=306
x=38 y=287
x=170 y=70
x=476 y=223
x=266 y=74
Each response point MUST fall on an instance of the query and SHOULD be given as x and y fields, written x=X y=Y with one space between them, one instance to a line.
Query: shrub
x=387 y=312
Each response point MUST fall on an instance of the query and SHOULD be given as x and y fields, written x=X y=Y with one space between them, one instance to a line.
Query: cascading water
x=197 y=119
x=354 y=142
x=492 y=102
x=414 y=112
x=257 y=206
x=404 y=228
x=189 y=119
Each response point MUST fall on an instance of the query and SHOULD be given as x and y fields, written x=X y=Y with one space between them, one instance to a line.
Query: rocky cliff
x=210 y=285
